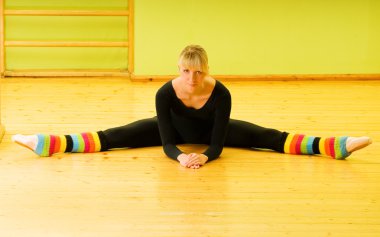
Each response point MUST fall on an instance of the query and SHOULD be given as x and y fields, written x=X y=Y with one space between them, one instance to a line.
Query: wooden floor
x=140 y=192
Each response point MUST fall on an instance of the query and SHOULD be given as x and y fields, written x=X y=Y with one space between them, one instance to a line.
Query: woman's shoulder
x=221 y=88
x=166 y=89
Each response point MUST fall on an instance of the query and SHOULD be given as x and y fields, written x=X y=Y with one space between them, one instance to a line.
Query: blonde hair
x=194 y=57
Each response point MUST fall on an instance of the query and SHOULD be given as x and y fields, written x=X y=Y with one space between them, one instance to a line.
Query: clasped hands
x=192 y=160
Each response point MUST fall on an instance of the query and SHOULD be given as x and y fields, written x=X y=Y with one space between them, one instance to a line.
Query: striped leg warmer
x=47 y=145
x=334 y=147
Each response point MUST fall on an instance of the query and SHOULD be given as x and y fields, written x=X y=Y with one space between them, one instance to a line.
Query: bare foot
x=357 y=143
x=29 y=141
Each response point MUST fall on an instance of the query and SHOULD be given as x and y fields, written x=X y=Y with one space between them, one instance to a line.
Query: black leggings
x=145 y=133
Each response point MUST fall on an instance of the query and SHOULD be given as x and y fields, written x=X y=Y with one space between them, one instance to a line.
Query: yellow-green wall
x=242 y=37
x=259 y=36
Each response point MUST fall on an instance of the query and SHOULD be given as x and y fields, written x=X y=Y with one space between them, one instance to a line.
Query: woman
x=193 y=108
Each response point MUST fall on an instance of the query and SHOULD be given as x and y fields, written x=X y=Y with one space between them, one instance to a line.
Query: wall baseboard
x=67 y=73
x=126 y=74
x=280 y=77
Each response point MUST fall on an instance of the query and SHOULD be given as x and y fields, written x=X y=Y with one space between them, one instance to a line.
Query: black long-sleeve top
x=179 y=124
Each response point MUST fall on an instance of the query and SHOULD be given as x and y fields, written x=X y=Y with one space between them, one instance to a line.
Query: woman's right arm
x=167 y=130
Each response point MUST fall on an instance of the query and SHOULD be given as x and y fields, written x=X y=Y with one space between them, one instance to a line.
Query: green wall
x=260 y=37
x=67 y=4
x=242 y=37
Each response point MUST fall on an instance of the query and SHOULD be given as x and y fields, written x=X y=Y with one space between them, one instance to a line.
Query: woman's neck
x=184 y=91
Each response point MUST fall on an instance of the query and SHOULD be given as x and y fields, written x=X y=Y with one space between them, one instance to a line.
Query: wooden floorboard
x=140 y=192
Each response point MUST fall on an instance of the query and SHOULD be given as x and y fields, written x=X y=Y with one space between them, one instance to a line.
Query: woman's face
x=191 y=78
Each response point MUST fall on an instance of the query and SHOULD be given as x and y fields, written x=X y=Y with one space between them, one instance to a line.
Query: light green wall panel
x=260 y=37
x=66 y=58
x=80 y=28
x=67 y=4
x=66 y=28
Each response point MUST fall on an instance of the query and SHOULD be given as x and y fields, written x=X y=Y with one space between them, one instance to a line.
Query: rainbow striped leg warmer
x=334 y=147
x=47 y=145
